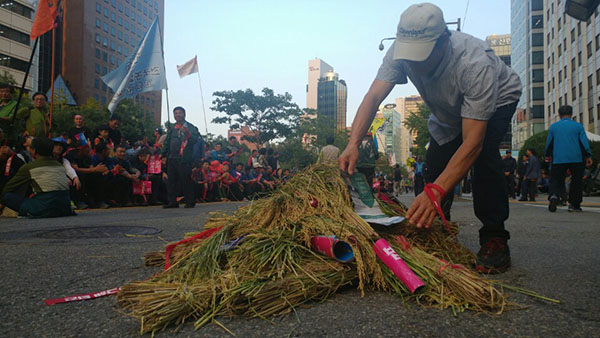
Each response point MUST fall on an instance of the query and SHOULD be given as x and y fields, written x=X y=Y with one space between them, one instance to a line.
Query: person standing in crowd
x=7 y=108
x=329 y=154
x=253 y=159
x=235 y=150
x=218 y=154
x=46 y=179
x=418 y=166
x=509 y=165
x=80 y=132
x=114 y=134
x=159 y=138
x=568 y=145
x=36 y=117
x=532 y=174
x=367 y=156
x=178 y=150
x=472 y=95
x=397 y=180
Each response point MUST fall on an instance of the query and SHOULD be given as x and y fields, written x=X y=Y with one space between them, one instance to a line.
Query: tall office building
x=527 y=59
x=95 y=37
x=500 y=44
x=16 y=18
x=317 y=69
x=571 y=65
x=332 y=96
x=406 y=106
x=390 y=136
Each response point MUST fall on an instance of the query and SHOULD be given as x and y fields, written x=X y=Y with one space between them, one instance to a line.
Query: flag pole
x=52 y=83
x=12 y=122
x=202 y=99
x=162 y=50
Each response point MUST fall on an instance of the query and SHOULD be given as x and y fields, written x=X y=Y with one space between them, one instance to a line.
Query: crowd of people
x=81 y=169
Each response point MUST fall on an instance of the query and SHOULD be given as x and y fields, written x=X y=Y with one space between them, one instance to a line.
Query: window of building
x=155 y=5
x=98 y=23
x=589 y=50
x=548 y=86
x=537 y=75
x=579 y=59
x=572 y=35
x=145 y=11
x=112 y=59
x=564 y=44
x=106 y=27
x=118 y=62
x=113 y=17
x=591 y=114
x=112 y=45
x=590 y=83
x=580 y=89
x=578 y=28
x=559 y=25
x=597 y=77
x=14 y=35
x=146 y=24
x=126 y=53
x=553 y=83
x=113 y=3
x=112 y=31
x=120 y=7
x=538 y=5
x=139 y=20
x=597 y=40
x=537 y=39
x=139 y=6
x=98 y=7
x=119 y=48
x=97 y=53
x=559 y=76
x=537 y=112
x=565 y=72
x=574 y=93
x=127 y=11
x=150 y=15
x=104 y=86
x=96 y=83
x=97 y=38
x=106 y=12
x=103 y=100
x=120 y=34
x=560 y=102
x=133 y=15
x=104 y=70
x=126 y=25
x=126 y=39
x=105 y=42
x=97 y=68
x=120 y=21
x=573 y=64
x=559 y=50
x=105 y=56
x=548 y=62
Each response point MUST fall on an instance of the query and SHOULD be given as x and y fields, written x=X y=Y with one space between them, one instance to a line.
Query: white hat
x=418 y=30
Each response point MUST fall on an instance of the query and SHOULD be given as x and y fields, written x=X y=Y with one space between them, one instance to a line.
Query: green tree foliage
x=268 y=115
x=134 y=125
x=7 y=78
x=293 y=152
x=417 y=123
x=318 y=129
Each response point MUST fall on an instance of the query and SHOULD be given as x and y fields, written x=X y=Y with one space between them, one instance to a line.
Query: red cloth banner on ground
x=84 y=296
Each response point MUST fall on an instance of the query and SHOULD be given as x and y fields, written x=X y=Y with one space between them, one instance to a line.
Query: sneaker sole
x=552 y=206
x=491 y=271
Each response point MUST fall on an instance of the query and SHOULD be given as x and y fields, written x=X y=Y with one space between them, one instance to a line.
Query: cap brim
x=413 y=51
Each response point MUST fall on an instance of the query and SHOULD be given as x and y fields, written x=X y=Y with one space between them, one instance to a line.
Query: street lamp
x=581 y=9
x=457 y=23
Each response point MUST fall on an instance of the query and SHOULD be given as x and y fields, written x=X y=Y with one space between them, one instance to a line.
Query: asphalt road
x=555 y=254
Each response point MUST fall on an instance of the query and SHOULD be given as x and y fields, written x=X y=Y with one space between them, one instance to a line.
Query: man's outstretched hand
x=348 y=158
x=421 y=212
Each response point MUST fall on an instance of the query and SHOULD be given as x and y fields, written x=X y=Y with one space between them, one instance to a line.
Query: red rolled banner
x=331 y=246
x=393 y=261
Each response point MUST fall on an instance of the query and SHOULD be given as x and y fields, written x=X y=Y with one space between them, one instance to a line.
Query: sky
x=244 y=44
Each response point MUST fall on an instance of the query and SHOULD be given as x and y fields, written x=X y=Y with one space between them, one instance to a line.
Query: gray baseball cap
x=418 y=30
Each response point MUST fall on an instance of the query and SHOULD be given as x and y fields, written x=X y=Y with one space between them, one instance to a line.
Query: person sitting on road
x=45 y=180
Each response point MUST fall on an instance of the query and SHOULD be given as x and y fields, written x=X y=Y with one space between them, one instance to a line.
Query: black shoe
x=103 y=205
x=82 y=205
x=522 y=200
x=493 y=257
x=553 y=203
x=187 y=206
x=171 y=206
x=574 y=209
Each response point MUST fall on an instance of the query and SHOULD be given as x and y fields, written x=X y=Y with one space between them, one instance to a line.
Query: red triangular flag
x=45 y=18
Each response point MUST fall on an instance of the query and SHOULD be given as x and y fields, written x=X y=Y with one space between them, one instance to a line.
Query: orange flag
x=45 y=18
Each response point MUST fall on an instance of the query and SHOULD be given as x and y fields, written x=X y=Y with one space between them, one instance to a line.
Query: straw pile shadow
x=272 y=268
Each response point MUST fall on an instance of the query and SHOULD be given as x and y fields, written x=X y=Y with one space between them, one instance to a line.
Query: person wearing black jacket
x=509 y=164
x=178 y=150
x=532 y=174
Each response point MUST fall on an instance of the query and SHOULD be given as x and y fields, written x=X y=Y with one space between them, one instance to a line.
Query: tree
x=417 y=123
x=319 y=128
x=268 y=116
x=7 y=78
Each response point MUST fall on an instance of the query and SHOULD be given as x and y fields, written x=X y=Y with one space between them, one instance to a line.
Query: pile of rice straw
x=272 y=269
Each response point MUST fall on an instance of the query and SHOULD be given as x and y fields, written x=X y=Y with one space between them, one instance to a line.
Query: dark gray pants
x=180 y=179
x=490 y=199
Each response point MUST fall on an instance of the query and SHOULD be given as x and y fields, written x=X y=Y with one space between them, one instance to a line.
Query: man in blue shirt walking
x=568 y=145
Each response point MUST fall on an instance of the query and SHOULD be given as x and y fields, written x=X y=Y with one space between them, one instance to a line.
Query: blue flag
x=143 y=71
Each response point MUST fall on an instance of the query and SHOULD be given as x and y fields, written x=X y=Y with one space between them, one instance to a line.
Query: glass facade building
x=332 y=99
x=527 y=59
x=16 y=18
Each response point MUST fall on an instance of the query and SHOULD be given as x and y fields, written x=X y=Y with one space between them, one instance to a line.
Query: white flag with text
x=188 y=68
